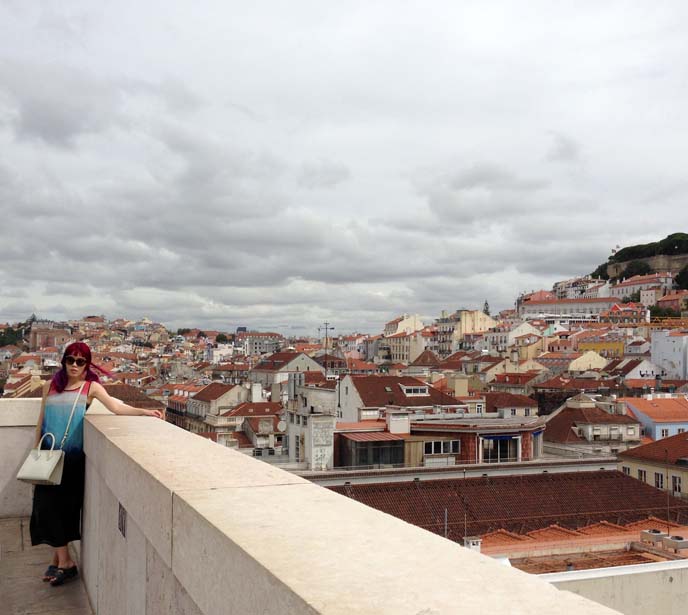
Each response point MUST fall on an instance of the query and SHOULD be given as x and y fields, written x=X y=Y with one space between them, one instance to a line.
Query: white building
x=669 y=351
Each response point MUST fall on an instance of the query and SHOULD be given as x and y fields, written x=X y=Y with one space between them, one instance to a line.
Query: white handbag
x=44 y=467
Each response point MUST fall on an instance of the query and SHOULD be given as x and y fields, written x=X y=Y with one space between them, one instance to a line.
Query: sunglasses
x=78 y=361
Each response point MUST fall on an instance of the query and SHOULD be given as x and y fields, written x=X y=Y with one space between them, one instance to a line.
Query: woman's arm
x=116 y=406
x=41 y=414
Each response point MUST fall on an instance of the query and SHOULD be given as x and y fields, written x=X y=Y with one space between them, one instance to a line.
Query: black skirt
x=56 y=515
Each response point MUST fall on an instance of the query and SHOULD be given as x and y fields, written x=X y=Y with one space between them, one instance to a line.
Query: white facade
x=669 y=351
x=407 y=323
x=349 y=401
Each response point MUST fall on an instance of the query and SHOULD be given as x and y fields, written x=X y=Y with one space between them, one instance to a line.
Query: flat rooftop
x=586 y=561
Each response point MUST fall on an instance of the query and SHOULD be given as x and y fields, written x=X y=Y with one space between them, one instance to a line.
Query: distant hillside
x=674 y=244
x=669 y=254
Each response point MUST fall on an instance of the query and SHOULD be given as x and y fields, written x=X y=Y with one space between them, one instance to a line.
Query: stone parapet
x=176 y=524
x=219 y=532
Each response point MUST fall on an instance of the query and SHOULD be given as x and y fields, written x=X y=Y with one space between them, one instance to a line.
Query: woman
x=55 y=519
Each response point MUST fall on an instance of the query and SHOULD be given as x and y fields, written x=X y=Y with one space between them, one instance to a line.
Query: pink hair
x=76 y=349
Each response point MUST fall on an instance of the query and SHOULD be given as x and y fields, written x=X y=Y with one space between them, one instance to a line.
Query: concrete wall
x=18 y=418
x=660 y=588
x=211 y=531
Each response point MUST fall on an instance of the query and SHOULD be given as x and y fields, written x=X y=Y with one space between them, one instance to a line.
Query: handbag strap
x=71 y=415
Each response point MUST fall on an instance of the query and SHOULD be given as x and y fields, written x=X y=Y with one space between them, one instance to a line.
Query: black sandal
x=63 y=575
x=50 y=573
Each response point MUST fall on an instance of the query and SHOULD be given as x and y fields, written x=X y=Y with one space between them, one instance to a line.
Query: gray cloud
x=564 y=149
x=323 y=174
x=298 y=168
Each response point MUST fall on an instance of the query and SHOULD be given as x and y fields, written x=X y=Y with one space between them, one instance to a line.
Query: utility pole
x=326 y=327
x=666 y=461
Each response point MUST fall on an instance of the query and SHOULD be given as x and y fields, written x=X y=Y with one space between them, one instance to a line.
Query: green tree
x=221 y=338
x=182 y=331
x=601 y=272
x=636 y=268
x=682 y=278
x=11 y=337
x=632 y=298
x=658 y=312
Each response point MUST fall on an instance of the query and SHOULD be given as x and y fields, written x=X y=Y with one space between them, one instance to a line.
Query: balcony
x=174 y=523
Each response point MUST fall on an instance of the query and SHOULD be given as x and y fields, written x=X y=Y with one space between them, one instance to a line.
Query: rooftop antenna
x=326 y=327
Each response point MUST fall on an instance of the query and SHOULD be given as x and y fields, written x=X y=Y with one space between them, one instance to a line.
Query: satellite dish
x=281 y=426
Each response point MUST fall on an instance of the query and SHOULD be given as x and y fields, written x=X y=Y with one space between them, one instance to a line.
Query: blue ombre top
x=58 y=407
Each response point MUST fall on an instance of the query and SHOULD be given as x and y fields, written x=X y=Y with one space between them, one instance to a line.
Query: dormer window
x=414 y=390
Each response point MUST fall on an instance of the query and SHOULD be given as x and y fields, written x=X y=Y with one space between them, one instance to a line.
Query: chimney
x=472 y=542
x=460 y=386
x=256 y=395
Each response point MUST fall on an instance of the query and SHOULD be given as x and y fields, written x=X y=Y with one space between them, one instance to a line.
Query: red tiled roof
x=231 y=367
x=638 y=383
x=575 y=301
x=516 y=378
x=358 y=365
x=427 y=358
x=376 y=391
x=667 y=449
x=213 y=391
x=518 y=504
x=276 y=361
x=255 y=409
x=243 y=440
x=560 y=427
x=576 y=384
x=660 y=410
x=495 y=400
x=133 y=396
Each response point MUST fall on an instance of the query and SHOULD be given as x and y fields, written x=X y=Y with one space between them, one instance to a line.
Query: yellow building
x=661 y=463
x=608 y=348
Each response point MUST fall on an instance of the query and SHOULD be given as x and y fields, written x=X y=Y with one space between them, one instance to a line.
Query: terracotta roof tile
x=518 y=504
x=669 y=449
x=377 y=391
x=660 y=410
x=255 y=409
x=213 y=391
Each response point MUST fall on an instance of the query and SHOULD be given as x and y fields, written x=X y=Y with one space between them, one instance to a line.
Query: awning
x=371 y=436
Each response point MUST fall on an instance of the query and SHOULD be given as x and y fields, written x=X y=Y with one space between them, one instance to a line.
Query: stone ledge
x=242 y=536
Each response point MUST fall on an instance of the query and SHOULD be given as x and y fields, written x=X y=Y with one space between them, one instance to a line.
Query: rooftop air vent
x=654 y=536
x=675 y=542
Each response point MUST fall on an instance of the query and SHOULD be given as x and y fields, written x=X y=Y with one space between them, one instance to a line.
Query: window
x=442 y=447
x=659 y=480
x=631 y=431
x=676 y=484
x=291 y=417
x=513 y=412
x=626 y=470
x=304 y=420
x=527 y=411
x=665 y=433
x=479 y=408
x=642 y=475
x=680 y=430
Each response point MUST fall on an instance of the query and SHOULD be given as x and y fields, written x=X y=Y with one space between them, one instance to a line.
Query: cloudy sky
x=279 y=164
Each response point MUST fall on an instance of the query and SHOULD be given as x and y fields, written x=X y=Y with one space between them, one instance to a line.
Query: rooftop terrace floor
x=21 y=567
